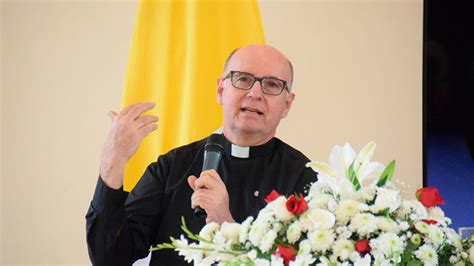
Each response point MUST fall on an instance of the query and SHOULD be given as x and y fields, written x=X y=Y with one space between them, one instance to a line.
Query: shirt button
x=256 y=193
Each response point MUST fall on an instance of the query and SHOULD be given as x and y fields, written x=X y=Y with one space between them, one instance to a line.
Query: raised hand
x=128 y=129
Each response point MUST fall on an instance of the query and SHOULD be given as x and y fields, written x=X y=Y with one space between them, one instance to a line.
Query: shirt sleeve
x=120 y=225
x=307 y=178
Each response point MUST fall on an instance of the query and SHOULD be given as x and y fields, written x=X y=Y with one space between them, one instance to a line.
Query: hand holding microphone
x=210 y=197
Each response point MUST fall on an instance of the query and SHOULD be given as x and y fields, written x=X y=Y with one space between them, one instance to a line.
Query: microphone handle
x=211 y=161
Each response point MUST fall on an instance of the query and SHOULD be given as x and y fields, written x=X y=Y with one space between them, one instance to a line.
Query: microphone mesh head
x=215 y=142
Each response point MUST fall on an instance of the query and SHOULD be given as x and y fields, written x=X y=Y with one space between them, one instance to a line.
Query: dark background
x=448 y=85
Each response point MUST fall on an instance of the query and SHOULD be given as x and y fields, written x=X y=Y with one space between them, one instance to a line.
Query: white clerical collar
x=239 y=151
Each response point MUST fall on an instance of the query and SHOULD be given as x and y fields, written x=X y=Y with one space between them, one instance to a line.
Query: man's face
x=251 y=112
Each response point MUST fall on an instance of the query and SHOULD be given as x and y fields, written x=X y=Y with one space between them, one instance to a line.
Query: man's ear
x=288 y=102
x=220 y=90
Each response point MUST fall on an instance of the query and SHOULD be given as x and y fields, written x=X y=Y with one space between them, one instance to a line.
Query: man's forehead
x=260 y=60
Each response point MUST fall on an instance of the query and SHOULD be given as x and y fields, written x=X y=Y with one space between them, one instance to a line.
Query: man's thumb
x=191 y=181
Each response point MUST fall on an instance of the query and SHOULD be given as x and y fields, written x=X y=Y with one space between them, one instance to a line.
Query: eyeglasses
x=245 y=81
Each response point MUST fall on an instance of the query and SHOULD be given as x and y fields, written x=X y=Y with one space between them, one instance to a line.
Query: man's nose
x=256 y=90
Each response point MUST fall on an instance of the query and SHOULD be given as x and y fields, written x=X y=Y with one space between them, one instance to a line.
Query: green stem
x=204 y=249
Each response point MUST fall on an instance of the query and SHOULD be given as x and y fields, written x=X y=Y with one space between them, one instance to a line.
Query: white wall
x=358 y=78
x=63 y=69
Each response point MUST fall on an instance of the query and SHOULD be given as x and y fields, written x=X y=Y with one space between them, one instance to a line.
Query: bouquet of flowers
x=353 y=215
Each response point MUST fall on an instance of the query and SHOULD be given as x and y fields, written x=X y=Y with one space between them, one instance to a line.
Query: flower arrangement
x=353 y=215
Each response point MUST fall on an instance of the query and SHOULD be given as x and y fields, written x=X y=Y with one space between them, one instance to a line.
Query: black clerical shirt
x=122 y=226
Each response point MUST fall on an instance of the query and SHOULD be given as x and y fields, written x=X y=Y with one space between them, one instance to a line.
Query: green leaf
x=353 y=177
x=164 y=246
x=385 y=212
x=386 y=174
x=190 y=234
x=415 y=263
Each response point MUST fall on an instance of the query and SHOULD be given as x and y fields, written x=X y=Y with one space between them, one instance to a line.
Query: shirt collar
x=248 y=152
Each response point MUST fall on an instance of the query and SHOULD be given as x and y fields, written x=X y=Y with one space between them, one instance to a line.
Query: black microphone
x=213 y=151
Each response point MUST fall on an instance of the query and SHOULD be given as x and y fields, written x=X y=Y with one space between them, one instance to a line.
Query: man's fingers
x=200 y=198
x=139 y=109
x=127 y=109
x=205 y=182
x=112 y=114
x=210 y=178
x=145 y=120
x=147 y=129
x=191 y=181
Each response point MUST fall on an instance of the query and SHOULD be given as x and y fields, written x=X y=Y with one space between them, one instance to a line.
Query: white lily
x=340 y=160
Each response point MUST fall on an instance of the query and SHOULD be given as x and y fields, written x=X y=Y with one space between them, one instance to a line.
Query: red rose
x=272 y=196
x=288 y=253
x=429 y=197
x=427 y=221
x=363 y=247
x=296 y=204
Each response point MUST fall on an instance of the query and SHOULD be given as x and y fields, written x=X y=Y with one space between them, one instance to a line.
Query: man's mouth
x=253 y=110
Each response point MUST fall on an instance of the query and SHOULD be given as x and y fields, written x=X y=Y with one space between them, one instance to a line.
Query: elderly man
x=255 y=92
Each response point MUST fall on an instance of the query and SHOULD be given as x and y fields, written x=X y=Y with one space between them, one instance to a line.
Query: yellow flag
x=178 y=51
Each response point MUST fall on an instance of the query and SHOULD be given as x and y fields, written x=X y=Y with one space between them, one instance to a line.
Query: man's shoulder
x=188 y=149
x=289 y=151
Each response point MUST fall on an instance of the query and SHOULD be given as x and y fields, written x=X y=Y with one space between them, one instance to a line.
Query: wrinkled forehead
x=261 y=61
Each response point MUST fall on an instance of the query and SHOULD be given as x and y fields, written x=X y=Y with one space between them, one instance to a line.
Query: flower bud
x=415 y=239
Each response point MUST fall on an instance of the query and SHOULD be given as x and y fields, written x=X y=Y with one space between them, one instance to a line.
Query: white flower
x=260 y=227
x=244 y=229
x=427 y=255
x=231 y=231
x=252 y=254
x=319 y=201
x=332 y=204
x=209 y=230
x=321 y=239
x=277 y=226
x=267 y=240
x=387 y=225
x=454 y=239
x=363 y=223
x=346 y=210
x=261 y=262
x=437 y=214
x=422 y=227
x=219 y=241
x=344 y=232
x=386 y=198
x=322 y=218
x=389 y=244
x=343 y=248
x=341 y=158
x=303 y=260
x=304 y=247
x=435 y=236
x=412 y=209
x=453 y=259
x=276 y=261
x=294 y=232
x=365 y=261
x=324 y=261
x=471 y=254
x=403 y=225
x=367 y=193
x=364 y=168
x=280 y=210
x=186 y=250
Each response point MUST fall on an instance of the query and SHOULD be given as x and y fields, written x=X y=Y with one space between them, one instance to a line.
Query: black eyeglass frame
x=259 y=79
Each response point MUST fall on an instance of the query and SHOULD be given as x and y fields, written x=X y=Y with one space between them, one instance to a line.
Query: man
x=255 y=92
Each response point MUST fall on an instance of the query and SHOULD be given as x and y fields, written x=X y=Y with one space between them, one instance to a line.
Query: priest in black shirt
x=255 y=92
